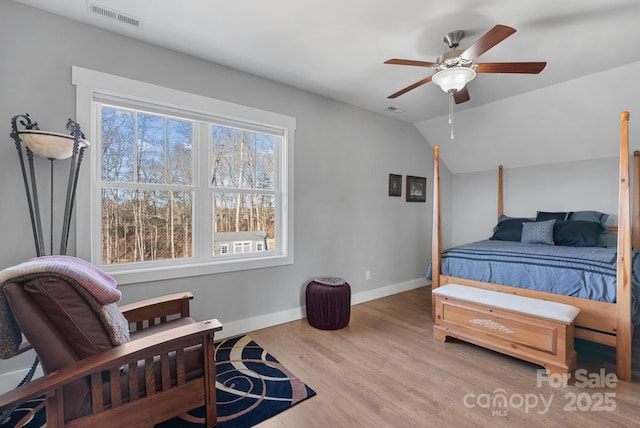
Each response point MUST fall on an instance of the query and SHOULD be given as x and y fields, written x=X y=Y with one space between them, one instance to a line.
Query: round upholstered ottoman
x=328 y=303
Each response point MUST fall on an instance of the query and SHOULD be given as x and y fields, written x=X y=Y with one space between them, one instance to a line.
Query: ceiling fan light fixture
x=453 y=79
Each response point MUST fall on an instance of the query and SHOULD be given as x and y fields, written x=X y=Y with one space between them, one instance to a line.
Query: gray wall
x=345 y=223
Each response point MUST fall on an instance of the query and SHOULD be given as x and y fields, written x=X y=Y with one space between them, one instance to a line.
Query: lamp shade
x=50 y=145
x=453 y=79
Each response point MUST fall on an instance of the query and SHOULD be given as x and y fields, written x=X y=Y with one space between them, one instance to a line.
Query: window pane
x=145 y=225
x=265 y=161
x=244 y=223
x=151 y=138
x=242 y=159
x=180 y=156
x=118 y=144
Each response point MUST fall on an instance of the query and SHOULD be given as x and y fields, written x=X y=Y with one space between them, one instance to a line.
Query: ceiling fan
x=457 y=67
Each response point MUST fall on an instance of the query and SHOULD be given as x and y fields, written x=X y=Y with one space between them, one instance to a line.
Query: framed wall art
x=395 y=185
x=416 y=189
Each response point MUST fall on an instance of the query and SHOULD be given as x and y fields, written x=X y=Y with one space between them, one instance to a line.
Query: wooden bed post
x=623 y=292
x=500 y=208
x=435 y=232
x=635 y=219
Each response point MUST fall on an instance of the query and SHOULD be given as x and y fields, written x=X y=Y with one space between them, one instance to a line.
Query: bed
x=602 y=282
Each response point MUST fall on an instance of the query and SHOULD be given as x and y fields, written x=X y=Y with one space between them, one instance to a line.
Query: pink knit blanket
x=99 y=284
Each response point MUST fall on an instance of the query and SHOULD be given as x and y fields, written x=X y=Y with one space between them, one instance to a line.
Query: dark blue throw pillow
x=509 y=229
x=578 y=233
x=543 y=216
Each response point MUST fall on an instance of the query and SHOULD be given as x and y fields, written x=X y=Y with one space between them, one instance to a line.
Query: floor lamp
x=32 y=141
x=52 y=146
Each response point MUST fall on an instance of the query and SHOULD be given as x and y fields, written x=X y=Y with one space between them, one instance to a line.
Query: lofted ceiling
x=336 y=48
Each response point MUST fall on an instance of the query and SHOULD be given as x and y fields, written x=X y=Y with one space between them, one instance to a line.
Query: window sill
x=133 y=274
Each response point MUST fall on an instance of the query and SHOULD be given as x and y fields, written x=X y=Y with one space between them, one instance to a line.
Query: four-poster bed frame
x=601 y=322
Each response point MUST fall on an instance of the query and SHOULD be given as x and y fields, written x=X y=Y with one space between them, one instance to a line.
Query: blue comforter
x=586 y=272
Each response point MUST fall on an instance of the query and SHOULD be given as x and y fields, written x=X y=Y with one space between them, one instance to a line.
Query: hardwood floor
x=386 y=370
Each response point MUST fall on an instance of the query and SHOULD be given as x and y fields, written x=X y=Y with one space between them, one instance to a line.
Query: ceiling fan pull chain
x=451 y=112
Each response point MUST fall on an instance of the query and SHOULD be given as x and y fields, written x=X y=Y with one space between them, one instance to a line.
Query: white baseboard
x=389 y=290
x=8 y=381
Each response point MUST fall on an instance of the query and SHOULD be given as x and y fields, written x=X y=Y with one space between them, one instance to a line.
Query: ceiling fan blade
x=511 y=67
x=486 y=42
x=410 y=87
x=410 y=62
x=462 y=95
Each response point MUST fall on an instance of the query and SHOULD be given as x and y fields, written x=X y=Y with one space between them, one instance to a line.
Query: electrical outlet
x=367 y=275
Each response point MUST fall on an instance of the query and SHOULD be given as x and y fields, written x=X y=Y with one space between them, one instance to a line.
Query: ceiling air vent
x=395 y=109
x=114 y=14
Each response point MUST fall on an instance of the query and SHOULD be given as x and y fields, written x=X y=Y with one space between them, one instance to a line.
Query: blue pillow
x=578 y=233
x=595 y=216
x=509 y=229
x=544 y=215
x=538 y=232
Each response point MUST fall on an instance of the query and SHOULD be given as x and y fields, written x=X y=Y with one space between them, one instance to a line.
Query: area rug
x=251 y=386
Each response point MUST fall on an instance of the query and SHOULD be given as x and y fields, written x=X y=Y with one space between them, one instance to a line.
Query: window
x=242 y=247
x=179 y=184
x=146 y=185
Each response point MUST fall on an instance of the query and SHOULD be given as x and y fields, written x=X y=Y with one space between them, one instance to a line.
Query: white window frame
x=91 y=85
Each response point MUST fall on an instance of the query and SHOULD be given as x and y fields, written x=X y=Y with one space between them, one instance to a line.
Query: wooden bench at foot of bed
x=533 y=330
